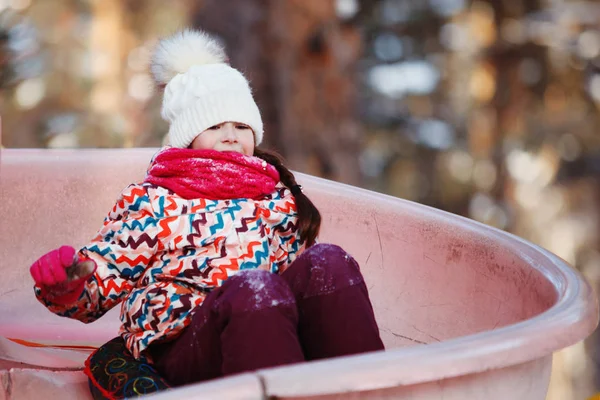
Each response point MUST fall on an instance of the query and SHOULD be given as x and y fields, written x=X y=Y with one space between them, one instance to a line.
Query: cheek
x=248 y=143
x=204 y=141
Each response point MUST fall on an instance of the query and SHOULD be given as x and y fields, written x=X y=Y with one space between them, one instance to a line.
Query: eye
x=215 y=127
x=242 y=127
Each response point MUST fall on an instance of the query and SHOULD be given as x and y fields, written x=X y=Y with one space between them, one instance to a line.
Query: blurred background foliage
x=486 y=108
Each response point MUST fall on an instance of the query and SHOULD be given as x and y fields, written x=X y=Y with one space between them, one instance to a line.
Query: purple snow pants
x=318 y=308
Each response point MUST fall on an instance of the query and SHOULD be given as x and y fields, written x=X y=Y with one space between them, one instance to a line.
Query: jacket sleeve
x=286 y=230
x=122 y=249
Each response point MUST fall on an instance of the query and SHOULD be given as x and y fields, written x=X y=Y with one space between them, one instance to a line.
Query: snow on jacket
x=159 y=255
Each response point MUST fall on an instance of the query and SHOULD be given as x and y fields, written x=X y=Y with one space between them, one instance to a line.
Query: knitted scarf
x=212 y=174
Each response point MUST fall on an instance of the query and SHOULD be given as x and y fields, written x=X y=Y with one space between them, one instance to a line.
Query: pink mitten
x=61 y=275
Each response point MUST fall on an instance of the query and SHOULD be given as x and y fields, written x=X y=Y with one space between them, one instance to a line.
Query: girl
x=213 y=257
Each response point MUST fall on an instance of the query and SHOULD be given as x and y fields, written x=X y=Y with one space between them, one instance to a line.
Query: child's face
x=228 y=136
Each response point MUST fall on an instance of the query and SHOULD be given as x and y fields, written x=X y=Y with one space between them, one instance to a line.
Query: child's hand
x=61 y=274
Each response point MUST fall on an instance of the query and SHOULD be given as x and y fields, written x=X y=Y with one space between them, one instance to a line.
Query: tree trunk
x=301 y=63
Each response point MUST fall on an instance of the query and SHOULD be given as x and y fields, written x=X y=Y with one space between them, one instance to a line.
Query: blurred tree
x=5 y=68
x=301 y=62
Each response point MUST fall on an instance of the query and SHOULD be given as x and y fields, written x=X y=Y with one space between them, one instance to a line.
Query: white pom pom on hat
x=177 y=53
x=201 y=90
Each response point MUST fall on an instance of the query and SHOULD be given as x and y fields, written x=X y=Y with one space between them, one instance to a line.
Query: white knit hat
x=202 y=90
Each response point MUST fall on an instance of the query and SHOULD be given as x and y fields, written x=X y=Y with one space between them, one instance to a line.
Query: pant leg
x=335 y=313
x=250 y=322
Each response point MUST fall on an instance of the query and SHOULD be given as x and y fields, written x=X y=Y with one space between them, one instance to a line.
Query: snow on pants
x=318 y=308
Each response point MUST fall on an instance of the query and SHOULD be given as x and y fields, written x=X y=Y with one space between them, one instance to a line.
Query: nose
x=229 y=133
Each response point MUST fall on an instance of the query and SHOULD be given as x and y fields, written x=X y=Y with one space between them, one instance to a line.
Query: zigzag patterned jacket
x=160 y=254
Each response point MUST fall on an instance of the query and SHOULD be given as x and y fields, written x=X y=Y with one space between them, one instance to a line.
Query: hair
x=309 y=217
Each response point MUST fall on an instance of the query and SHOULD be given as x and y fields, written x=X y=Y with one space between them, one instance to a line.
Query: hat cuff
x=214 y=109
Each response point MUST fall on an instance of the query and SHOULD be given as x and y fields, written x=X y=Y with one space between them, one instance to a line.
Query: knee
x=251 y=290
x=329 y=268
x=333 y=257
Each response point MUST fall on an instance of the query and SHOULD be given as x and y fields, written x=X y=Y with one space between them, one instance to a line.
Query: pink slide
x=466 y=311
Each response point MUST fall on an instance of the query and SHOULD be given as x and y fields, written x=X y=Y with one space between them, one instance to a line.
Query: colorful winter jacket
x=159 y=255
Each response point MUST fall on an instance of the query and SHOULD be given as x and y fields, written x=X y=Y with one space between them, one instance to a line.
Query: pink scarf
x=212 y=174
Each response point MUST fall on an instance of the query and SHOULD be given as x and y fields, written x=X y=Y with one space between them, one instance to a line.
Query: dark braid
x=309 y=218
